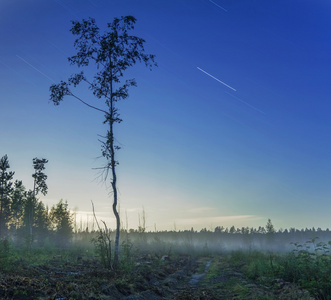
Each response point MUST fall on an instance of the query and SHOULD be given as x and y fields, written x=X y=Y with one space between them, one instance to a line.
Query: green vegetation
x=309 y=266
x=44 y=253
x=154 y=265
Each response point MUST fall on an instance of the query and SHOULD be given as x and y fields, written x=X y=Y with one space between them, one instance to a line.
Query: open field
x=157 y=267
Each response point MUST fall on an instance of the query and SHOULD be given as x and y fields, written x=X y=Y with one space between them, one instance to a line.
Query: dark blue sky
x=194 y=151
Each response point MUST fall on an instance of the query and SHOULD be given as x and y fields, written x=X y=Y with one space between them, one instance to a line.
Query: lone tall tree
x=39 y=185
x=111 y=53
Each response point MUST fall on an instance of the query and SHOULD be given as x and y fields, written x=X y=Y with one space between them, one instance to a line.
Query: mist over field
x=54 y=246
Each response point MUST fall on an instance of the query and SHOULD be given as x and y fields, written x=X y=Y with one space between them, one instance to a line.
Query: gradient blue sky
x=194 y=151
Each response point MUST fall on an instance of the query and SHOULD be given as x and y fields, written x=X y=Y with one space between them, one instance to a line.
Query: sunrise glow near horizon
x=232 y=128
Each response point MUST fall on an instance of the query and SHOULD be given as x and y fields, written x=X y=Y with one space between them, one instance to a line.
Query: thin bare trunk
x=114 y=178
x=117 y=221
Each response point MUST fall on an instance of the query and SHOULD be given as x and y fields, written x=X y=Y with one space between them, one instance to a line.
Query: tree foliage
x=111 y=54
x=42 y=222
x=17 y=203
x=39 y=176
x=62 y=220
x=270 y=227
x=6 y=188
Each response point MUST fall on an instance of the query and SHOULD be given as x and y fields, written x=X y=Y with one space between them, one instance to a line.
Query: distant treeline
x=269 y=228
x=27 y=220
x=220 y=239
x=224 y=239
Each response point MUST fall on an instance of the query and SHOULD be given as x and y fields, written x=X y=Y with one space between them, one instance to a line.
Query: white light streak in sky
x=242 y=101
x=35 y=68
x=57 y=48
x=218 y=5
x=217 y=79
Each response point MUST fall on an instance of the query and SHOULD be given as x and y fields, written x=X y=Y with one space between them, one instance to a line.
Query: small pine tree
x=41 y=223
x=62 y=221
x=269 y=227
x=17 y=205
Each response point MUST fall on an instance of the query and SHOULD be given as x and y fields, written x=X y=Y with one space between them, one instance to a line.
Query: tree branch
x=91 y=106
x=96 y=220
x=92 y=87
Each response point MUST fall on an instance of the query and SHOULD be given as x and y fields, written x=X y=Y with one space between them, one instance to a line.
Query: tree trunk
x=117 y=222
x=113 y=183
x=114 y=180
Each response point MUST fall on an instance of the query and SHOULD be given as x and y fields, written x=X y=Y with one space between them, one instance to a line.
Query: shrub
x=309 y=266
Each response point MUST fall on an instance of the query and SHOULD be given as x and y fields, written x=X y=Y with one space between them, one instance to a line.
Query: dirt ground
x=178 y=277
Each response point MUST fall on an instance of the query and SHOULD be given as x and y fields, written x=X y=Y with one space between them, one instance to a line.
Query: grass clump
x=6 y=255
x=309 y=266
